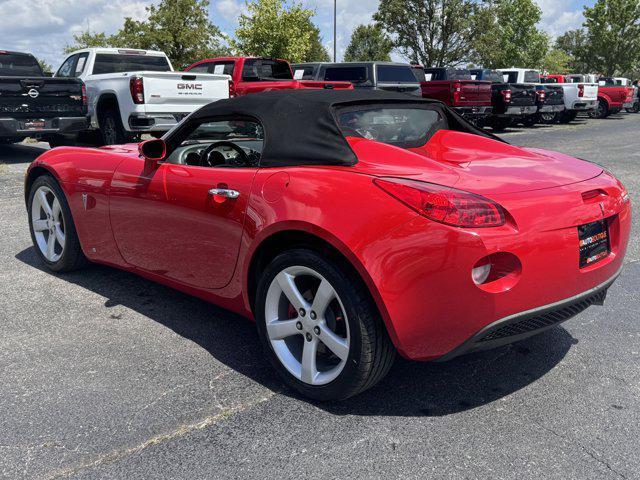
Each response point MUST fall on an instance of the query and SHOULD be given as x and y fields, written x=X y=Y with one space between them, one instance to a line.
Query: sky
x=44 y=27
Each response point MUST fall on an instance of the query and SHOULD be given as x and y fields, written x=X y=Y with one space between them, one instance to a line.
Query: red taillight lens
x=541 y=95
x=84 y=95
x=457 y=92
x=581 y=90
x=444 y=204
x=232 y=89
x=506 y=95
x=137 y=90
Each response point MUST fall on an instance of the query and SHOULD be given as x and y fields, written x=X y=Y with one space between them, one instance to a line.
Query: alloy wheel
x=48 y=224
x=307 y=325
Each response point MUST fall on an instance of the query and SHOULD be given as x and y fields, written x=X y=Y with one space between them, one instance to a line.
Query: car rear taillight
x=232 y=89
x=137 y=90
x=84 y=95
x=506 y=95
x=457 y=92
x=542 y=95
x=581 y=90
x=444 y=204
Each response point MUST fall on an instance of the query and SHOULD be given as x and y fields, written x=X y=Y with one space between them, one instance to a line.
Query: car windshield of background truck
x=18 y=65
x=356 y=75
x=395 y=74
x=268 y=70
x=401 y=127
x=531 y=76
x=121 y=63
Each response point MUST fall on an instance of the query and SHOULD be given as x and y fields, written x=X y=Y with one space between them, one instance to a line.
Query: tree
x=556 y=61
x=179 y=28
x=612 y=28
x=434 y=33
x=316 y=52
x=368 y=43
x=46 y=68
x=277 y=28
x=573 y=43
x=508 y=35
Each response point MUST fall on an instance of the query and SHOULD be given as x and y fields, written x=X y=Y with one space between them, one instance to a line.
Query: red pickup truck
x=612 y=97
x=456 y=88
x=252 y=75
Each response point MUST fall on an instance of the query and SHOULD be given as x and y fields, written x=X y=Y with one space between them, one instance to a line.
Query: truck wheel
x=601 y=111
x=319 y=328
x=111 y=128
x=500 y=124
x=60 y=141
x=567 y=117
x=549 y=118
x=530 y=121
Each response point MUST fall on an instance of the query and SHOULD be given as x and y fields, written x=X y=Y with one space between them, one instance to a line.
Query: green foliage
x=316 y=52
x=573 y=43
x=612 y=29
x=508 y=35
x=434 y=33
x=180 y=28
x=369 y=43
x=556 y=61
x=278 y=29
x=46 y=68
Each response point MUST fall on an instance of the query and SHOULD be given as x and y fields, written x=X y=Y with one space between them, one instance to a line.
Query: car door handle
x=224 y=192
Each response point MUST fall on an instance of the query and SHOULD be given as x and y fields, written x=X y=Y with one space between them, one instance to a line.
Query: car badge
x=33 y=93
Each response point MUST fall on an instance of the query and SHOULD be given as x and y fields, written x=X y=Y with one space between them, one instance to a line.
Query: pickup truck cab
x=550 y=97
x=389 y=76
x=457 y=89
x=578 y=96
x=33 y=105
x=252 y=75
x=511 y=102
x=131 y=92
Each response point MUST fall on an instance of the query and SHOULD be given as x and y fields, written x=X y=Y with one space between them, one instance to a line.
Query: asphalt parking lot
x=106 y=375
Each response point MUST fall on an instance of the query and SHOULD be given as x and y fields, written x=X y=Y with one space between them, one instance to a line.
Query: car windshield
x=395 y=74
x=403 y=127
x=19 y=65
x=121 y=63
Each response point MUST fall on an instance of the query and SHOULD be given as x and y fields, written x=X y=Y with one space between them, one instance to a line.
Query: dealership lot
x=106 y=375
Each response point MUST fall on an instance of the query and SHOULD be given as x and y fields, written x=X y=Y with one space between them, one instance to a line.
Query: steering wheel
x=208 y=160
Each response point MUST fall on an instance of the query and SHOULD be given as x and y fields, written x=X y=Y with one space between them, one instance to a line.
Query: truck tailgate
x=41 y=96
x=590 y=91
x=473 y=93
x=182 y=91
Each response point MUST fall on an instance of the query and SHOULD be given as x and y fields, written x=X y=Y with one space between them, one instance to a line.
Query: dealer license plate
x=34 y=125
x=594 y=243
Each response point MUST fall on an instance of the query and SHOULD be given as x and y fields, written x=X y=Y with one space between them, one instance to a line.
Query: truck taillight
x=506 y=95
x=457 y=92
x=232 y=89
x=137 y=90
x=84 y=95
x=542 y=95
x=444 y=204
x=581 y=90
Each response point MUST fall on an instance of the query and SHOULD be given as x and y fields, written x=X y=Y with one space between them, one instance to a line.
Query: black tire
x=568 y=117
x=60 y=141
x=530 y=121
x=550 y=118
x=500 y=124
x=72 y=257
x=371 y=353
x=602 y=111
x=111 y=128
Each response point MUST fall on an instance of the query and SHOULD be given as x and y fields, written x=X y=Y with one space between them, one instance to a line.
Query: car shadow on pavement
x=410 y=389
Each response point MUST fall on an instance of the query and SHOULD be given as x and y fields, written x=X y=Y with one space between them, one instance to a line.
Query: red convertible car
x=348 y=225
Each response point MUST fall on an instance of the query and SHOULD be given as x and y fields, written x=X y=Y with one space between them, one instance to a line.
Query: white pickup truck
x=581 y=96
x=131 y=92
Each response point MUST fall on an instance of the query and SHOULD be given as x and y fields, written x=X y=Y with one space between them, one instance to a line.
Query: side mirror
x=153 y=151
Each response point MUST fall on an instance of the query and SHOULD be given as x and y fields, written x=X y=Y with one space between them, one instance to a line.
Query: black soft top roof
x=300 y=126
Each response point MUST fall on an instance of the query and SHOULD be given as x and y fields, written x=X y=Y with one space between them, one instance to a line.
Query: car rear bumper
x=474 y=112
x=433 y=308
x=154 y=122
x=12 y=127
x=628 y=105
x=532 y=322
x=583 y=105
x=518 y=111
x=551 y=108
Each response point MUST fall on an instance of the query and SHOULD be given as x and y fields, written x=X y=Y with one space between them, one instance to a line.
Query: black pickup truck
x=511 y=102
x=34 y=105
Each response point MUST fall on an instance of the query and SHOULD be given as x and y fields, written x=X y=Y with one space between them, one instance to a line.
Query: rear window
x=346 y=74
x=19 y=65
x=459 y=74
x=395 y=74
x=402 y=127
x=418 y=72
x=531 y=76
x=488 y=75
x=120 y=63
x=259 y=69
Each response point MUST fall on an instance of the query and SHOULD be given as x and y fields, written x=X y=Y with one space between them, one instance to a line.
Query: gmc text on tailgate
x=131 y=92
x=33 y=105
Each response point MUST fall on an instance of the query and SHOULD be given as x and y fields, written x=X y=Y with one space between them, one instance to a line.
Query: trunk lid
x=473 y=163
